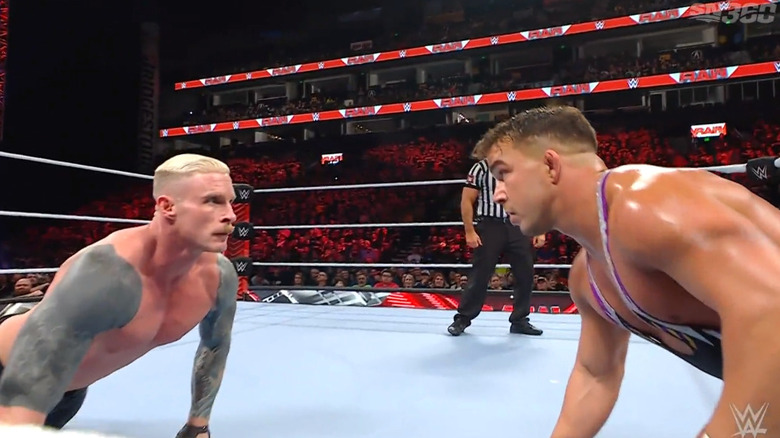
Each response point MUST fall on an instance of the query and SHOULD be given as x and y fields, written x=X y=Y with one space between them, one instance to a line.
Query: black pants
x=499 y=237
x=66 y=409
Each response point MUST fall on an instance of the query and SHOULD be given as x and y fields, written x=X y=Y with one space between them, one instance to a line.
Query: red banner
x=662 y=80
x=696 y=10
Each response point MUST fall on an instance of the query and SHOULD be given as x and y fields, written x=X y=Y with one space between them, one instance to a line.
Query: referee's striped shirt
x=480 y=178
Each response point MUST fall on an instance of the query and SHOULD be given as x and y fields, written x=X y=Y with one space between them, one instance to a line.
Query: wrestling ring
x=358 y=371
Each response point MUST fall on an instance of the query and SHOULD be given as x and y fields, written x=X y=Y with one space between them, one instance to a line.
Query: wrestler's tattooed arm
x=212 y=353
x=98 y=292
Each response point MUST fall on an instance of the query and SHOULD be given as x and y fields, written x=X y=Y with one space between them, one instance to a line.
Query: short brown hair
x=566 y=124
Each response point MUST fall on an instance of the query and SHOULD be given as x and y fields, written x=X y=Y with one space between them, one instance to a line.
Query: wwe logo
x=315 y=117
x=321 y=65
x=249 y=76
x=407 y=107
x=494 y=40
x=777 y=66
x=599 y=25
x=243 y=232
x=402 y=53
x=760 y=173
x=241 y=267
x=724 y=6
x=244 y=194
x=165 y=131
x=749 y=422
x=511 y=96
x=235 y=125
x=633 y=82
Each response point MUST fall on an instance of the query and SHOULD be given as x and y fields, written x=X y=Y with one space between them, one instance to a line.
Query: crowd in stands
x=462 y=20
x=589 y=69
x=438 y=153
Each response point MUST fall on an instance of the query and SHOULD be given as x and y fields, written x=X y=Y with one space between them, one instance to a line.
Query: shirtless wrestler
x=119 y=298
x=682 y=258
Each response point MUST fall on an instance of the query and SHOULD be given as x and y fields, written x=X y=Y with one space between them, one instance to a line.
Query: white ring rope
x=378 y=225
x=733 y=168
x=257 y=227
x=730 y=168
x=393 y=265
x=325 y=265
x=361 y=186
x=71 y=217
x=73 y=165
x=29 y=271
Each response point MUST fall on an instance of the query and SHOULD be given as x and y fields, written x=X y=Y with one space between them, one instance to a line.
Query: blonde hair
x=185 y=165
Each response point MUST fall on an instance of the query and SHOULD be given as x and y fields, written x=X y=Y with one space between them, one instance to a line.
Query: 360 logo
x=749 y=13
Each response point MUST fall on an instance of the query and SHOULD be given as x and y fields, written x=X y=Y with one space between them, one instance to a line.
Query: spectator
x=386 y=281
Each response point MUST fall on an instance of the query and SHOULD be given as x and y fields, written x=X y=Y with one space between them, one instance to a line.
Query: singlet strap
x=605 y=307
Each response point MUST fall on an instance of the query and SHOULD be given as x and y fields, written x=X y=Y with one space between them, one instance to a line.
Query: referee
x=492 y=236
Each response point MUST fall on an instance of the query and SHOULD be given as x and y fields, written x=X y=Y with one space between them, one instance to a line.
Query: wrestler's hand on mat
x=595 y=380
x=190 y=431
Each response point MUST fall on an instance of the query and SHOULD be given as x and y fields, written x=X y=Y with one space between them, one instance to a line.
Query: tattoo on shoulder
x=99 y=291
x=228 y=278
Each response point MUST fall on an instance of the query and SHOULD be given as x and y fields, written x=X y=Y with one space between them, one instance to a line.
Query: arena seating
x=585 y=70
x=473 y=19
x=434 y=154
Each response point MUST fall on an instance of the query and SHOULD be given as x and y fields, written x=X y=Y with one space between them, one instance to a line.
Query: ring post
x=239 y=242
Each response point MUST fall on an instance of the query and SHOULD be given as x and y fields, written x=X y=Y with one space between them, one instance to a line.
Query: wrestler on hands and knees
x=683 y=258
x=117 y=299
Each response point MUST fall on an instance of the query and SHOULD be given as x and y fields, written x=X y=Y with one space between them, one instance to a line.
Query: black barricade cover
x=244 y=193
x=243 y=231
x=762 y=170
x=243 y=266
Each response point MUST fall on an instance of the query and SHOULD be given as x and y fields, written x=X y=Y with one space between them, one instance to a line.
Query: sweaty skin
x=103 y=311
x=692 y=249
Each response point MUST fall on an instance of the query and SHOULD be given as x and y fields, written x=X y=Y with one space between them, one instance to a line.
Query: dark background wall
x=72 y=95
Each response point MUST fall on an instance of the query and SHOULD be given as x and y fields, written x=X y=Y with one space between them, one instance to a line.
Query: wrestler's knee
x=66 y=409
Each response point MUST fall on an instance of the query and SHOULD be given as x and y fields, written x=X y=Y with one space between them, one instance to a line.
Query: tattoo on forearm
x=207 y=378
x=215 y=333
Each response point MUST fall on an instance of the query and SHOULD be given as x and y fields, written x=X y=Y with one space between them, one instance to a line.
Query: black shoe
x=459 y=326
x=524 y=328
